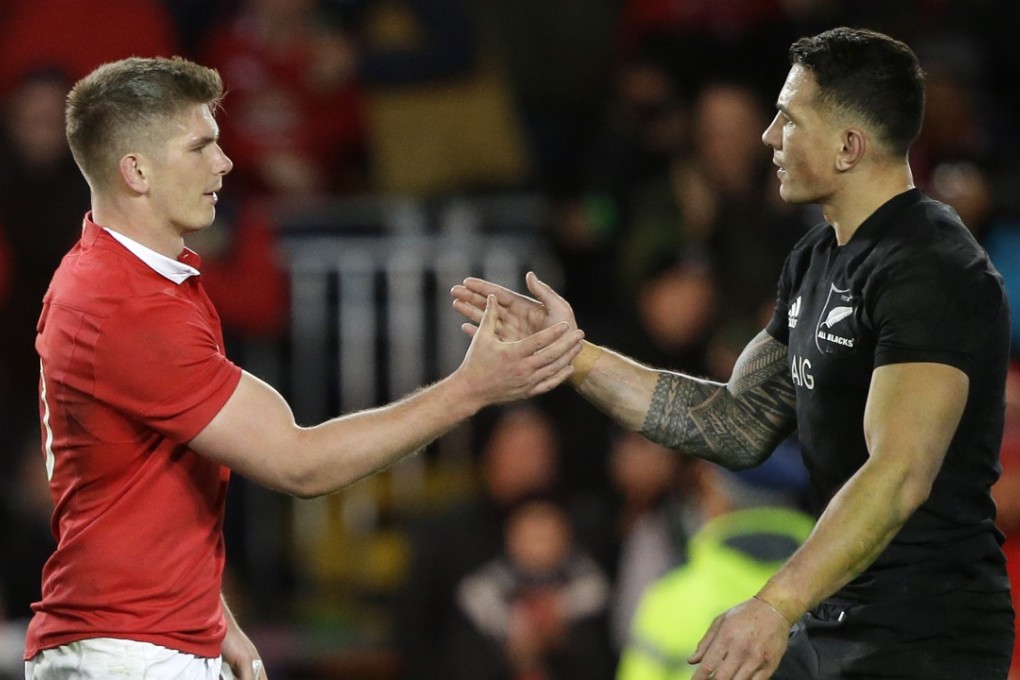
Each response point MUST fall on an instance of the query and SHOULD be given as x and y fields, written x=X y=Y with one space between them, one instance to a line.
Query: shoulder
x=106 y=295
x=930 y=260
x=929 y=241
x=102 y=275
x=157 y=322
x=933 y=231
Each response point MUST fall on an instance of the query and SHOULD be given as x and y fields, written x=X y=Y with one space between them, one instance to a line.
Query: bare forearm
x=617 y=385
x=255 y=434
x=911 y=416
x=858 y=524
x=735 y=425
x=346 y=449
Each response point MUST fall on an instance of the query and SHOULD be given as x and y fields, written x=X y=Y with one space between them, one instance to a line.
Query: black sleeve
x=778 y=326
x=932 y=309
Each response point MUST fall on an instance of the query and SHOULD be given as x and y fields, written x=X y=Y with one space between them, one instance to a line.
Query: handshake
x=521 y=346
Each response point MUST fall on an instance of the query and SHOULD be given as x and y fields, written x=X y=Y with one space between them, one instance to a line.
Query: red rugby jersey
x=132 y=368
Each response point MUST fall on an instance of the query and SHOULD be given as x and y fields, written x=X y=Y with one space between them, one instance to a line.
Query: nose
x=771 y=135
x=224 y=164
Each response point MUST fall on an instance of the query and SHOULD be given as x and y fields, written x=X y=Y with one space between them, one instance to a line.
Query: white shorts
x=113 y=658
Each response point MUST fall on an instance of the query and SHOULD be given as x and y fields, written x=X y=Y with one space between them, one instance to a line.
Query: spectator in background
x=967 y=185
x=678 y=308
x=956 y=124
x=26 y=507
x=643 y=126
x=537 y=610
x=519 y=457
x=76 y=36
x=294 y=106
x=26 y=542
x=653 y=521
x=719 y=202
x=42 y=198
x=749 y=527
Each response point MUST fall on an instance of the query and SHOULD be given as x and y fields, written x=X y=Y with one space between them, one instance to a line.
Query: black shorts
x=946 y=637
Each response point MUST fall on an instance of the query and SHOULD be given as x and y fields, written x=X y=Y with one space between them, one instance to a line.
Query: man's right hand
x=519 y=315
x=498 y=370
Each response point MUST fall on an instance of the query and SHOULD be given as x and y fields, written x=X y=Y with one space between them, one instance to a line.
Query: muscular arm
x=255 y=433
x=912 y=413
x=736 y=424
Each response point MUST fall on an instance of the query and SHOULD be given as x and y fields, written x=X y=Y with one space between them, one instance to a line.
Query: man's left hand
x=240 y=655
x=744 y=643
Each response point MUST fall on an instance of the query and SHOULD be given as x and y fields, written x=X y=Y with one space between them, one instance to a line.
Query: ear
x=134 y=172
x=854 y=144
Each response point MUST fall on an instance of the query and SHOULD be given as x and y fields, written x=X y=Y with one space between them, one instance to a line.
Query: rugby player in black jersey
x=887 y=353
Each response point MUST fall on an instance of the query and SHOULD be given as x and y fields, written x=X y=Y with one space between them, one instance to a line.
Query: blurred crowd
x=639 y=123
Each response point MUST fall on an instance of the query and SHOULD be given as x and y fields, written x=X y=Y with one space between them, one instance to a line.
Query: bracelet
x=583 y=363
x=773 y=608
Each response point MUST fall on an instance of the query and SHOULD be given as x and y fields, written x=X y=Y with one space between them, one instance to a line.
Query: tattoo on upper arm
x=736 y=425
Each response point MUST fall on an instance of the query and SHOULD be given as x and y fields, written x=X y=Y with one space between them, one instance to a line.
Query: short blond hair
x=121 y=102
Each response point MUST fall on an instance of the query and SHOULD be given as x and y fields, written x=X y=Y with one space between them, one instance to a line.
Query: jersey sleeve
x=931 y=309
x=778 y=326
x=158 y=360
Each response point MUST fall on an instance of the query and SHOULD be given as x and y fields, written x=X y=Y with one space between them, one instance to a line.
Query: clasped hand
x=512 y=357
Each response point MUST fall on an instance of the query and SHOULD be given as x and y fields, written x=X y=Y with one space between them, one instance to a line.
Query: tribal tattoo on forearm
x=735 y=425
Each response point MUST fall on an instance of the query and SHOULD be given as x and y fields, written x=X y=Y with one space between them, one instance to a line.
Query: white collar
x=178 y=272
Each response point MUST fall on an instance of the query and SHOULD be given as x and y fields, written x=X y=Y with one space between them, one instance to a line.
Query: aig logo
x=800 y=372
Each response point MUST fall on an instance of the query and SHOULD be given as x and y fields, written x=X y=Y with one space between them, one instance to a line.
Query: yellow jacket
x=729 y=560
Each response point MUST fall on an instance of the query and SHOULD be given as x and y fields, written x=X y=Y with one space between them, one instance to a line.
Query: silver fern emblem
x=837 y=314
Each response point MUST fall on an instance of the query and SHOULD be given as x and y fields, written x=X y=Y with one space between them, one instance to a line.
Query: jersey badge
x=837 y=329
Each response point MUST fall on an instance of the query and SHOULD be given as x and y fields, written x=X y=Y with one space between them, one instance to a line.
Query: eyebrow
x=204 y=140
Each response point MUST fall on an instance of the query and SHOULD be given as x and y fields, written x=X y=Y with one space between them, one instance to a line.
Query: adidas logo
x=794 y=313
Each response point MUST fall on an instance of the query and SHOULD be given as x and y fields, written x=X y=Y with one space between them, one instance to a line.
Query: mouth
x=211 y=195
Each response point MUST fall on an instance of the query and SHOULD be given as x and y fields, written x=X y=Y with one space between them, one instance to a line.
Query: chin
x=196 y=224
x=791 y=196
x=208 y=217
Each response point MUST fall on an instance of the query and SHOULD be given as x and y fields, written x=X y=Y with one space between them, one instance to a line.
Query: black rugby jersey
x=911 y=285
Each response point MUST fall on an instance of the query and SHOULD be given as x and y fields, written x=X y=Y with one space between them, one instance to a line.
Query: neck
x=864 y=192
x=129 y=219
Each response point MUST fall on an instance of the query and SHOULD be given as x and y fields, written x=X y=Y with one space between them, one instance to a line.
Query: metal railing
x=371 y=321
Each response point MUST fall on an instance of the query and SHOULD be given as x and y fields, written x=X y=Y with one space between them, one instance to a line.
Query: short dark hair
x=868 y=74
x=111 y=107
